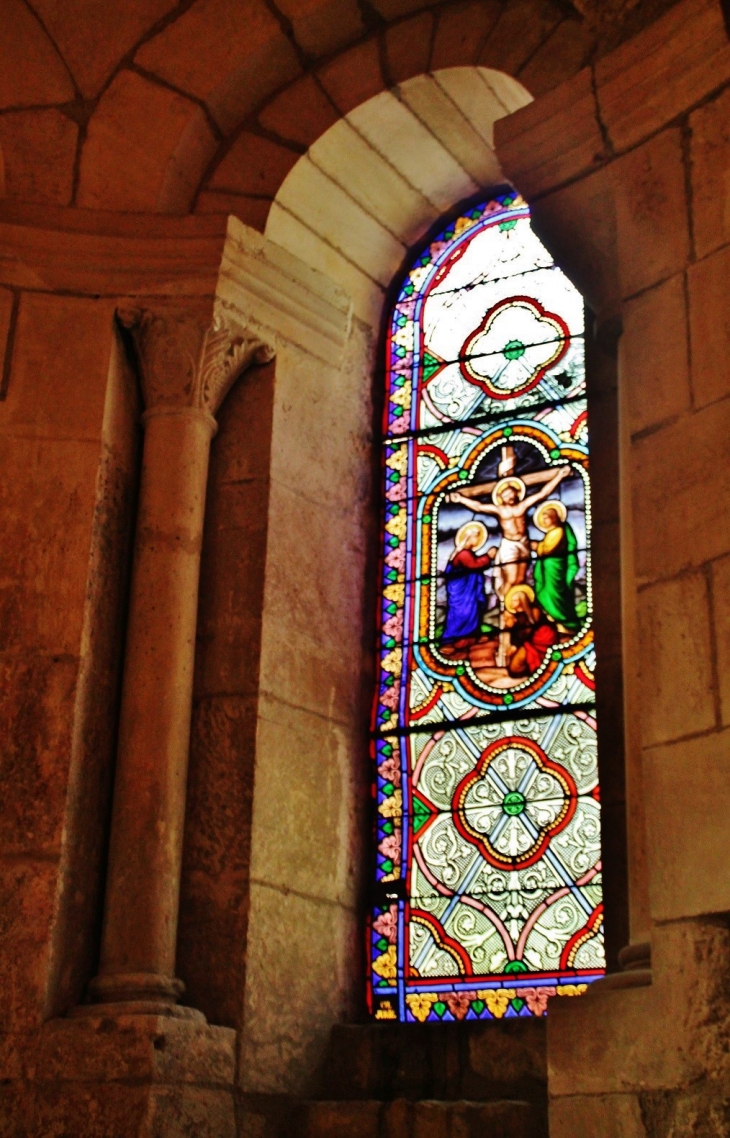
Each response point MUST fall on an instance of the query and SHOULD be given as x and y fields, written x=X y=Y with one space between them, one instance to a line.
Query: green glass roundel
x=513 y=803
x=514 y=349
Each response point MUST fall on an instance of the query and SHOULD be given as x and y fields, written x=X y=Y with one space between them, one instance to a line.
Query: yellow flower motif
x=404 y=335
x=396 y=593
x=393 y=662
x=420 y=1004
x=462 y=224
x=393 y=806
x=398 y=460
x=386 y=965
x=497 y=1000
x=402 y=396
x=572 y=989
x=397 y=525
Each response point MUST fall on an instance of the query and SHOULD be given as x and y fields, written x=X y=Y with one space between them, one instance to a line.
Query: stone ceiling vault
x=173 y=106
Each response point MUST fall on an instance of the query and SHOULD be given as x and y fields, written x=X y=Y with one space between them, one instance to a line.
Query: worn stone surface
x=33 y=74
x=710 y=150
x=40 y=149
x=651 y=212
x=709 y=327
x=654 y=354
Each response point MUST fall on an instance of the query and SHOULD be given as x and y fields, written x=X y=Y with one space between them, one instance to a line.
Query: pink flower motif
x=394 y=626
x=387 y=924
x=390 y=697
x=397 y=492
x=390 y=846
x=396 y=559
x=407 y=307
x=390 y=770
x=537 y=998
x=458 y=1003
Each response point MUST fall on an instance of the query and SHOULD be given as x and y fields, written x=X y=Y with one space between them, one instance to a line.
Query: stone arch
x=376 y=181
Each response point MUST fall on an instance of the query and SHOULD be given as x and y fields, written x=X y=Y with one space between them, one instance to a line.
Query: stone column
x=187 y=368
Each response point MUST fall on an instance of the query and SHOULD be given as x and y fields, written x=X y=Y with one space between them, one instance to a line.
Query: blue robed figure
x=465 y=593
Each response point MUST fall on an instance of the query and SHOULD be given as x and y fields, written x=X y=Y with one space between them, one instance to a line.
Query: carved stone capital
x=188 y=362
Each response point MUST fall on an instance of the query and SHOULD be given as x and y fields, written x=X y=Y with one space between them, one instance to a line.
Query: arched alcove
x=343 y=220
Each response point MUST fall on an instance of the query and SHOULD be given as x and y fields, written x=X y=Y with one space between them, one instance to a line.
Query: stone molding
x=186 y=365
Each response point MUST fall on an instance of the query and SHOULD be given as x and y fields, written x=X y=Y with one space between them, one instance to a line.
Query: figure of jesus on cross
x=510 y=503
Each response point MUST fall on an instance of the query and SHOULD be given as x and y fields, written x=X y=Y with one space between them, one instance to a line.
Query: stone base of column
x=130 y=1076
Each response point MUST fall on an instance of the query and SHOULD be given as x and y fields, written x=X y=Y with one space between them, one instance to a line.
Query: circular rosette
x=516 y=344
x=513 y=802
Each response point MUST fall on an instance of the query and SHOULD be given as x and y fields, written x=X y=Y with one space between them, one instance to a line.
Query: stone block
x=461 y=31
x=341 y=1119
x=33 y=72
x=708 y=282
x=674 y=473
x=349 y=160
x=227 y=53
x=131 y=144
x=39 y=152
x=687 y=787
x=286 y=230
x=211 y=948
x=300 y=113
x=58 y=382
x=601 y=1116
x=323 y=26
x=93 y=40
x=301 y=977
x=562 y=55
x=675 y=663
x=408 y=47
x=655 y=76
x=353 y=76
x=651 y=212
x=253 y=165
x=306 y=807
x=654 y=354
x=391 y=128
x=36 y=718
x=521 y=28
x=720 y=584
x=710 y=151
x=317 y=200
x=27 y=894
x=312 y=647
x=462 y=135
x=552 y=140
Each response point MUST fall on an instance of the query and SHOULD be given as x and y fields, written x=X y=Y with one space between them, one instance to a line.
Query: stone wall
x=649 y=160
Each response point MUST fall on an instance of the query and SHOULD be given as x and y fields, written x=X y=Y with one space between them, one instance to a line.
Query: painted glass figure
x=487 y=894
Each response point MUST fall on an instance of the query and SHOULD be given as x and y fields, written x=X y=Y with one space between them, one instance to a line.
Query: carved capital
x=186 y=361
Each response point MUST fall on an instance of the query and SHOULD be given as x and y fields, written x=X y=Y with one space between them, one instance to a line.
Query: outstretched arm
x=472 y=504
x=560 y=473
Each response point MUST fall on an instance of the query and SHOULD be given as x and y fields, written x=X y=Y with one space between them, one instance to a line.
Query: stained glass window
x=487 y=895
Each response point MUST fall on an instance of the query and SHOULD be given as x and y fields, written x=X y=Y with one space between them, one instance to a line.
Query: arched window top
x=488 y=888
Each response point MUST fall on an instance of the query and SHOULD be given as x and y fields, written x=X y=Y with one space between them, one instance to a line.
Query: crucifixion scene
x=511 y=565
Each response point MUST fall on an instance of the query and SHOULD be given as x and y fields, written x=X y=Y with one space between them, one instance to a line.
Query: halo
x=466 y=529
x=552 y=504
x=503 y=483
x=514 y=592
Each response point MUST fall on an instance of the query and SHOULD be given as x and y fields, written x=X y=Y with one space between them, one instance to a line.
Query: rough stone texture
x=720 y=585
x=710 y=127
x=41 y=149
x=521 y=29
x=563 y=53
x=301 y=113
x=353 y=76
x=32 y=74
x=408 y=47
x=709 y=326
x=654 y=350
x=460 y=32
x=253 y=165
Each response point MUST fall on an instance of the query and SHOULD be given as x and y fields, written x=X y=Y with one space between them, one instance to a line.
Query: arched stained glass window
x=487 y=895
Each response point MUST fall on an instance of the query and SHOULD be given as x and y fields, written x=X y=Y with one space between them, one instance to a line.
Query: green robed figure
x=556 y=566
